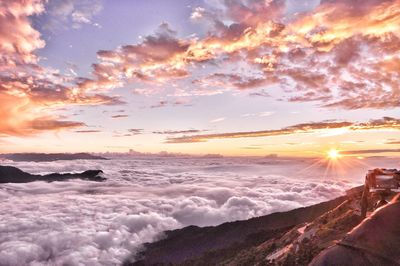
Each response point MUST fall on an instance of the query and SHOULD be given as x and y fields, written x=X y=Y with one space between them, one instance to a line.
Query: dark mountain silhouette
x=49 y=157
x=288 y=238
x=9 y=174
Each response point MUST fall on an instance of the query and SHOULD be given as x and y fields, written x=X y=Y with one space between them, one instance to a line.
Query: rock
x=375 y=241
x=10 y=174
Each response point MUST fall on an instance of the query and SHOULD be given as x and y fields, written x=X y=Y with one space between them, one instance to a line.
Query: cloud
x=18 y=44
x=165 y=103
x=174 y=132
x=135 y=130
x=27 y=90
x=219 y=119
x=23 y=100
x=234 y=80
x=156 y=58
x=299 y=128
x=160 y=104
x=130 y=132
x=198 y=13
x=80 y=222
x=337 y=54
x=376 y=124
x=392 y=141
x=373 y=151
x=44 y=124
x=251 y=148
x=88 y=131
x=261 y=114
x=119 y=116
x=261 y=93
x=383 y=123
x=65 y=14
x=18 y=120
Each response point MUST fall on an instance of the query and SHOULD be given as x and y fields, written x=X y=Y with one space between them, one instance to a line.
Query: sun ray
x=333 y=154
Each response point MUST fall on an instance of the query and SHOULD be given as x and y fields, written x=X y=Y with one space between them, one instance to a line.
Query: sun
x=333 y=154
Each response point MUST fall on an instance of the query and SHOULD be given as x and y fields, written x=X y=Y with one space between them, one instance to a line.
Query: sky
x=233 y=77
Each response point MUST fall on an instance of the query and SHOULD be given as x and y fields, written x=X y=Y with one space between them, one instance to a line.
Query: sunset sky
x=234 y=77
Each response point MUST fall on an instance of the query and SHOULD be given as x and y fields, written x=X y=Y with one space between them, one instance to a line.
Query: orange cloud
x=392 y=142
x=373 y=151
x=20 y=117
x=28 y=90
x=378 y=124
x=23 y=100
x=299 y=128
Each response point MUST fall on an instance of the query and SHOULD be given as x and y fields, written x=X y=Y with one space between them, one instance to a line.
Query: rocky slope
x=375 y=241
x=288 y=238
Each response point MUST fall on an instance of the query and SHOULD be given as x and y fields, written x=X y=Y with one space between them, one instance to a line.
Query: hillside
x=288 y=238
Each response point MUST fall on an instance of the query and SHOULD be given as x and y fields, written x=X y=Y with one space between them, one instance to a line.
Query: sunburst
x=333 y=154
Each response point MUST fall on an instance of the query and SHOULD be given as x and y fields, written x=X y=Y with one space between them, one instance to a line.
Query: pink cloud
x=17 y=45
x=308 y=55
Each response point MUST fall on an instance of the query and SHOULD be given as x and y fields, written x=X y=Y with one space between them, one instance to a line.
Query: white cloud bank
x=87 y=223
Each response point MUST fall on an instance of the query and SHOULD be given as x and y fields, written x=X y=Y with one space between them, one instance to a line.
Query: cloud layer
x=80 y=222
x=386 y=123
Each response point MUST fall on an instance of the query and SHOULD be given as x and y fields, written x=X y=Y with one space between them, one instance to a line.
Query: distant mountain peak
x=49 y=157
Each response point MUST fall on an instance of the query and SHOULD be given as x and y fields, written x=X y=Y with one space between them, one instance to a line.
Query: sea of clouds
x=89 y=223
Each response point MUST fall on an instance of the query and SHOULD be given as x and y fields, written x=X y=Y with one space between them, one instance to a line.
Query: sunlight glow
x=333 y=154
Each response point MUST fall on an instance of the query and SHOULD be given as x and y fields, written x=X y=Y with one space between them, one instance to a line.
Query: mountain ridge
x=264 y=240
x=49 y=157
x=10 y=174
